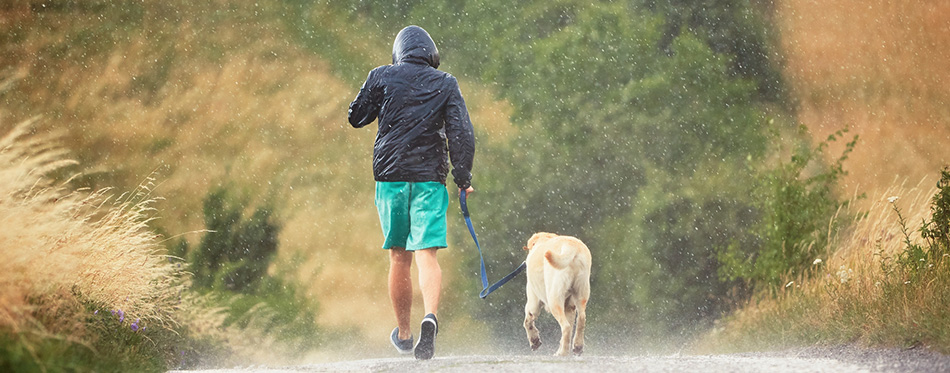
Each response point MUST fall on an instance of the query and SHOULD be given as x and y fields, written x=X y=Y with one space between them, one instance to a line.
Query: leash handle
x=463 y=204
x=486 y=289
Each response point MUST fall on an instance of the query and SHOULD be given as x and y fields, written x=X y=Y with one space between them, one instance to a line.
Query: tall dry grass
x=61 y=245
x=859 y=294
x=879 y=68
x=68 y=253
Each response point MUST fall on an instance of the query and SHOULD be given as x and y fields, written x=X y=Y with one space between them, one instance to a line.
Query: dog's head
x=538 y=238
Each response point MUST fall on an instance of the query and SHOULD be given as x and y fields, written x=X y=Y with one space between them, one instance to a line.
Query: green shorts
x=412 y=214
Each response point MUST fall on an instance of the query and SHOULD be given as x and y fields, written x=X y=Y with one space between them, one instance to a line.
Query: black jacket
x=419 y=108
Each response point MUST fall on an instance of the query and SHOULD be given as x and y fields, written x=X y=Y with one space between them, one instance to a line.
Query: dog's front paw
x=578 y=350
x=535 y=344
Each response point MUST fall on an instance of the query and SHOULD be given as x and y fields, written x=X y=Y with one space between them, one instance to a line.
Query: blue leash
x=471 y=229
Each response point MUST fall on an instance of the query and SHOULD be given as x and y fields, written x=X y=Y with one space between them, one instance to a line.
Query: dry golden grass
x=880 y=68
x=60 y=243
x=850 y=296
x=64 y=248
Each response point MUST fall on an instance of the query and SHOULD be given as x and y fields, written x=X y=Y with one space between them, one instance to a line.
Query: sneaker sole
x=426 y=347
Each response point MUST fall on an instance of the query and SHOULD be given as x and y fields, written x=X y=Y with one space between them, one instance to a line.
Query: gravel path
x=817 y=359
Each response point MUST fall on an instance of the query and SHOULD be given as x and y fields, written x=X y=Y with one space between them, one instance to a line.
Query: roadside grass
x=882 y=73
x=85 y=284
x=875 y=290
x=79 y=269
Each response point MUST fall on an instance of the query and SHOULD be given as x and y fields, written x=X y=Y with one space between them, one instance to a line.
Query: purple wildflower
x=121 y=316
x=96 y=313
x=135 y=325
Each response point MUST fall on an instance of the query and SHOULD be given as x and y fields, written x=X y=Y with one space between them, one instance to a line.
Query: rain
x=188 y=173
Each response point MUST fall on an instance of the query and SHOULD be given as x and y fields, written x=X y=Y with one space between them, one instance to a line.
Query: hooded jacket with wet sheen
x=419 y=108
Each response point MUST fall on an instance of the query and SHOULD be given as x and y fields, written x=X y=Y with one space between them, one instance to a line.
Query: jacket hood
x=413 y=44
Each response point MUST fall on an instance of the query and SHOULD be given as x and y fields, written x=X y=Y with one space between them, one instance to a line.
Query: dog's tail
x=563 y=258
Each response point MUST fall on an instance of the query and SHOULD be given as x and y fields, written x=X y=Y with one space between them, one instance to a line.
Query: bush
x=231 y=263
x=797 y=212
x=884 y=286
x=235 y=253
x=917 y=258
x=937 y=230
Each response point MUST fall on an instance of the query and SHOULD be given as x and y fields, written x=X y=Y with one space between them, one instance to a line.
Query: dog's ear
x=531 y=241
x=537 y=237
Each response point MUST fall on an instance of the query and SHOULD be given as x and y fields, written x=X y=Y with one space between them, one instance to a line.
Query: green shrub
x=918 y=258
x=880 y=291
x=99 y=339
x=236 y=252
x=937 y=230
x=797 y=211
x=231 y=263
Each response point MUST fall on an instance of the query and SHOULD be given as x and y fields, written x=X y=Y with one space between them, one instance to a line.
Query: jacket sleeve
x=365 y=108
x=460 y=135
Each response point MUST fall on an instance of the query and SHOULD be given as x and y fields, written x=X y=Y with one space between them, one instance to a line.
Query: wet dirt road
x=824 y=359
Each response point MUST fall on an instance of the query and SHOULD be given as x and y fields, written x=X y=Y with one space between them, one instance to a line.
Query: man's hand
x=468 y=191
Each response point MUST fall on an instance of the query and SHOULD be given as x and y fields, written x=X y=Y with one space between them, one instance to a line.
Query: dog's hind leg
x=581 y=324
x=570 y=310
x=567 y=327
x=531 y=310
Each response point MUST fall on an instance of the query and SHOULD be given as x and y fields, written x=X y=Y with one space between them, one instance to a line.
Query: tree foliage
x=644 y=126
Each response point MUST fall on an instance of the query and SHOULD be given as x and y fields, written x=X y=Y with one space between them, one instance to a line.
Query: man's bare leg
x=430 y=279
x=400 y=288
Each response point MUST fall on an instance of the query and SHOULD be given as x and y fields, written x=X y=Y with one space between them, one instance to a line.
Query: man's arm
x=365 y=108
x=460 y=135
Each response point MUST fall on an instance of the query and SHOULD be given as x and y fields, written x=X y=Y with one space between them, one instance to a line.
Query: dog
x=558 y=271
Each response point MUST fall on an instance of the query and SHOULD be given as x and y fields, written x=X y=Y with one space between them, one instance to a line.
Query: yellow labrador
x=558 y=269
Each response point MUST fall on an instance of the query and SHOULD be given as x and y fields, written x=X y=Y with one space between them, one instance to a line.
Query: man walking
x=423 y=122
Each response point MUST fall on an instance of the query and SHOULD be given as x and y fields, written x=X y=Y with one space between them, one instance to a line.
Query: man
x=423 y=122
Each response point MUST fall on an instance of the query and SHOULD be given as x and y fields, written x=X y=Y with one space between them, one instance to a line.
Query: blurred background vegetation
x=706 y=151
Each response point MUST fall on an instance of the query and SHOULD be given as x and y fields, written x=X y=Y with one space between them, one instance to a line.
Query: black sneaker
x=426 y=347
x=404 y=346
